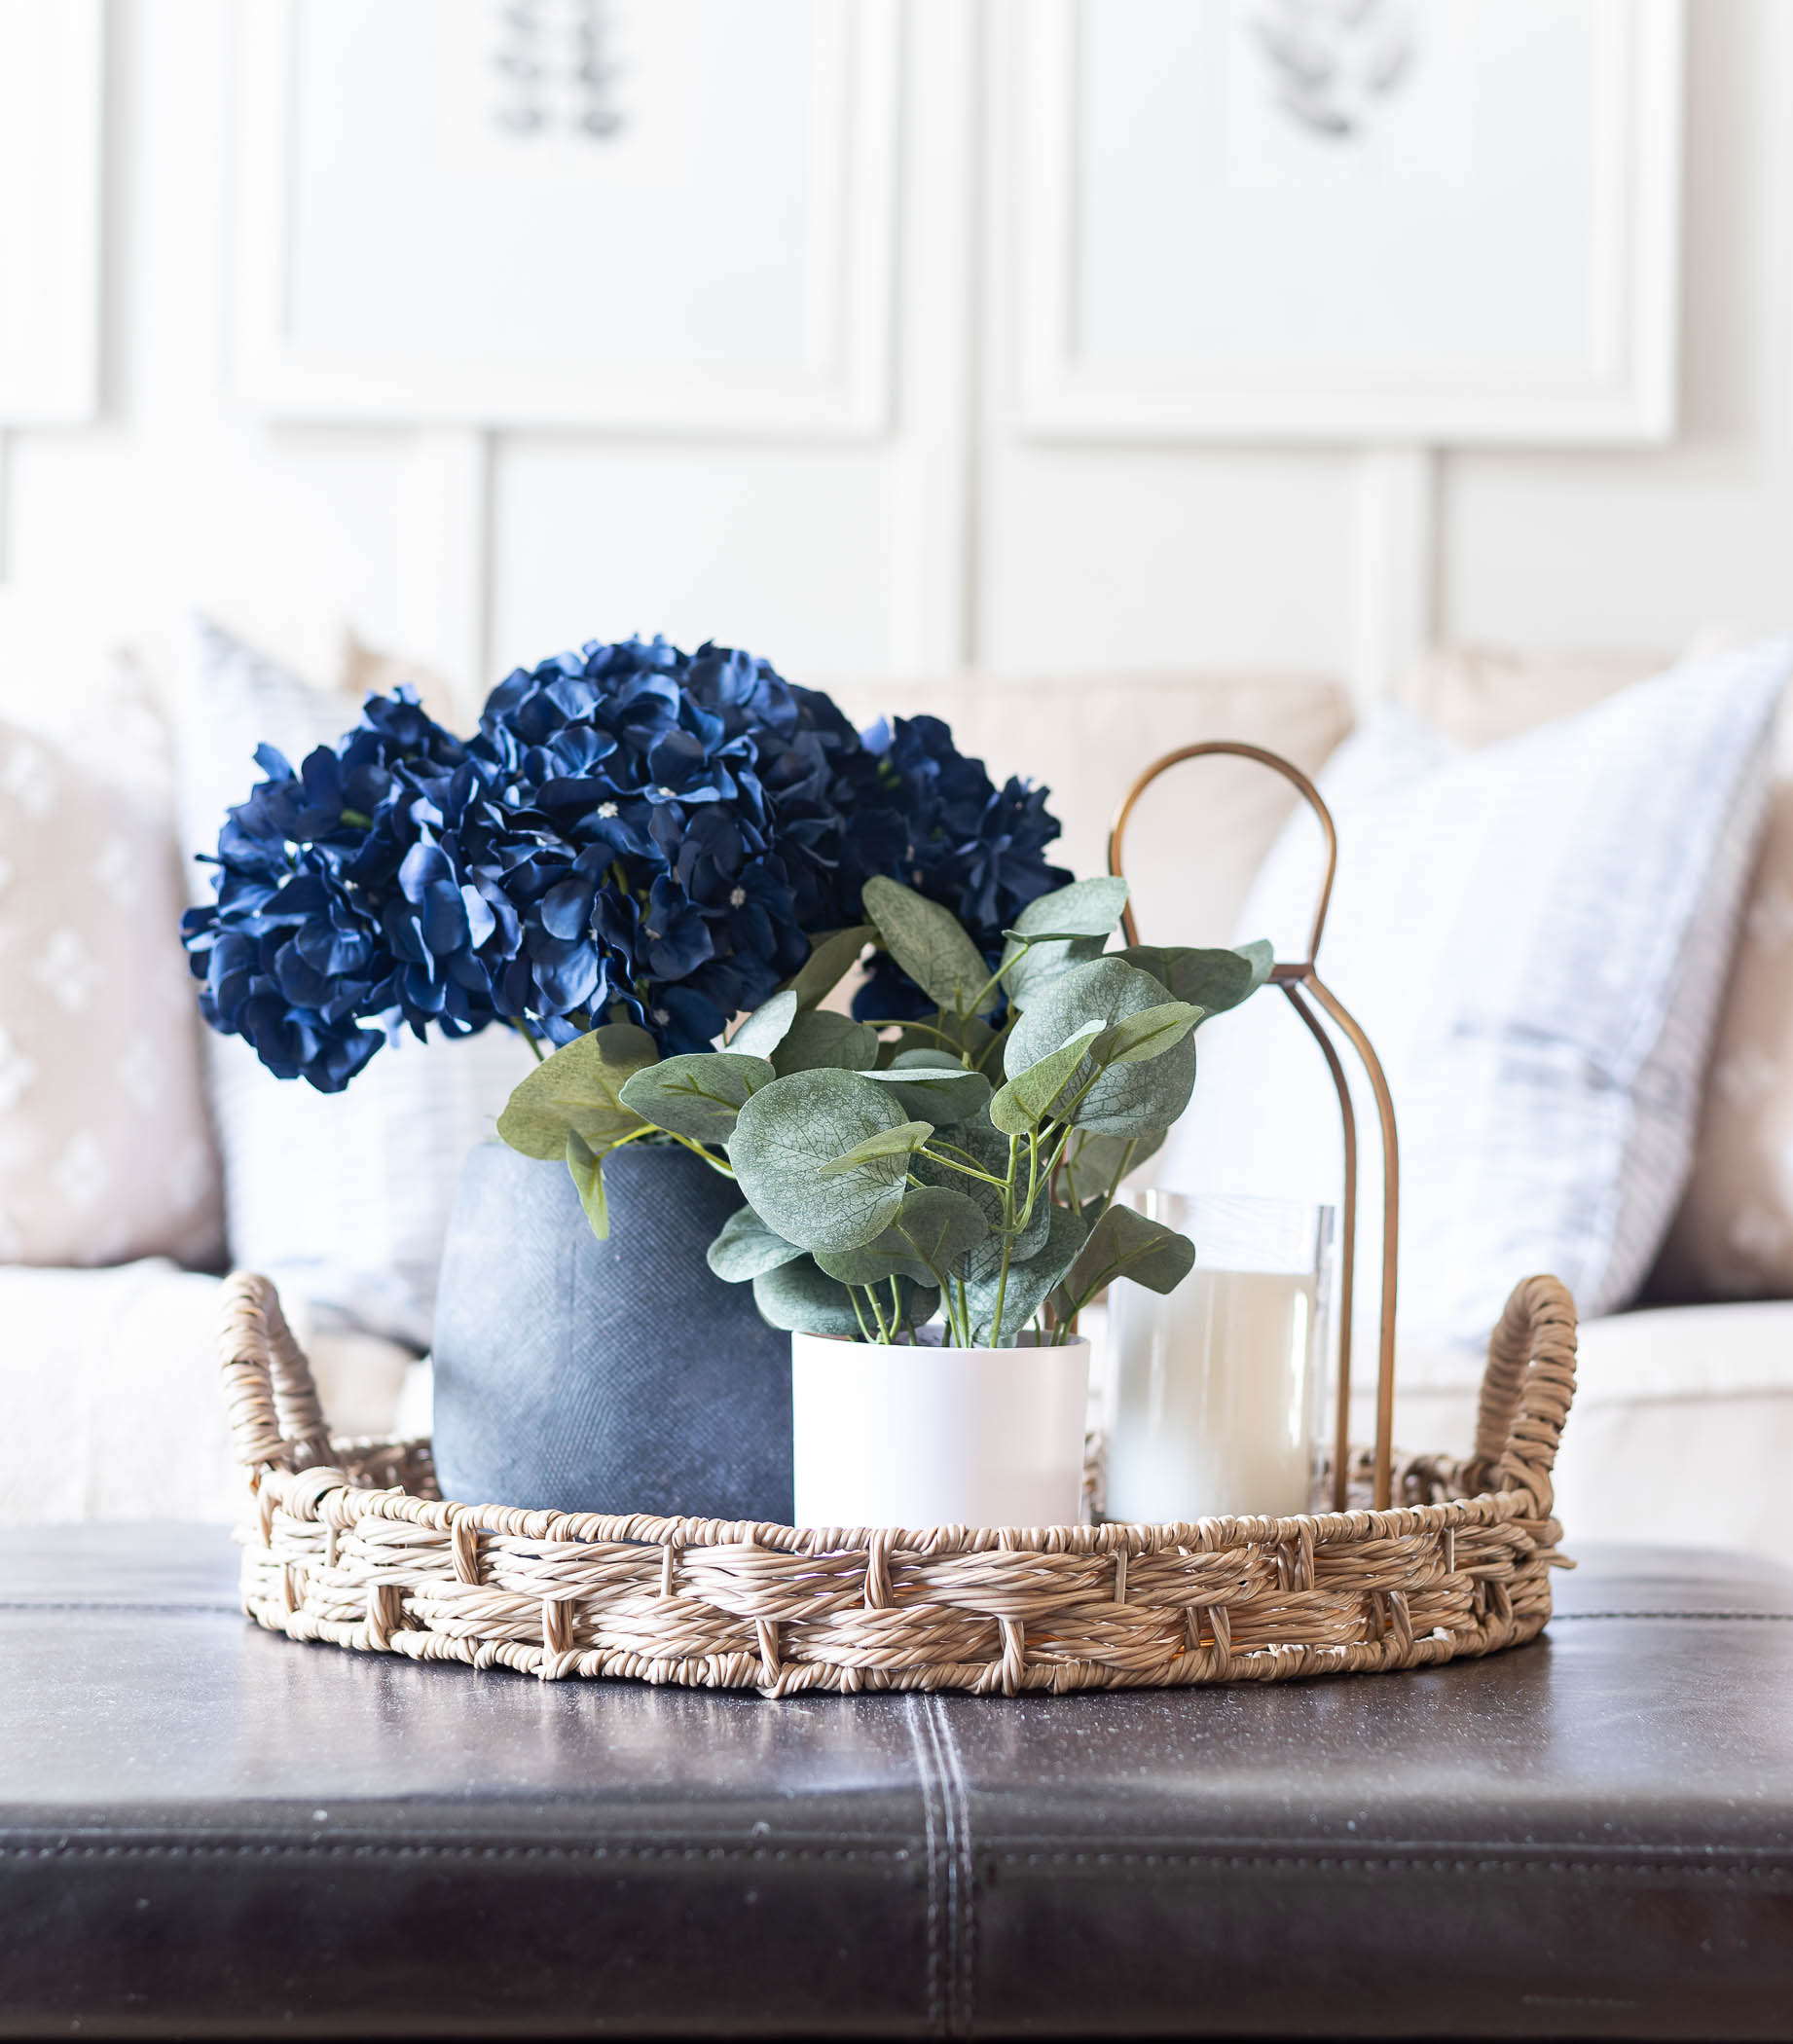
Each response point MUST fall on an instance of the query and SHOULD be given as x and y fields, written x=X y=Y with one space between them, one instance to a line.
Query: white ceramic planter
x=938 y=1437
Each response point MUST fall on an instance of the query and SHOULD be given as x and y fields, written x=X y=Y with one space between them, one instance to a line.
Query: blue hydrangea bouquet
x=638 y=846
x=635 y=834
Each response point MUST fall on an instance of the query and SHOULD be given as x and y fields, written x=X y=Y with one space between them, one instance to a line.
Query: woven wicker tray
x=352 y=1543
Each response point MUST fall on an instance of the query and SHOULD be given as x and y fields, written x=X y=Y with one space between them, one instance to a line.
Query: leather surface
x=618 y=1376
x=207 y=1829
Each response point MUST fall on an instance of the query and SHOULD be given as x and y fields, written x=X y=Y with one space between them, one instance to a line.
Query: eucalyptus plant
x=965 y=1166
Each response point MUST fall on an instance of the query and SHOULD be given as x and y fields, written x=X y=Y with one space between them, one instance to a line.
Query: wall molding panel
x=567 y=361
x=898 y=338
x=1240 y=211
x=448 y=600
x=1395 y=570
x=51 y=94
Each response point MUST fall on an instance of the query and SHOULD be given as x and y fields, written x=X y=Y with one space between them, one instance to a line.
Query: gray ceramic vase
x=617 y=1376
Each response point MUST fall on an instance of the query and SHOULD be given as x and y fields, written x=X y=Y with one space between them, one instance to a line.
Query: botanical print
x=1332 y=63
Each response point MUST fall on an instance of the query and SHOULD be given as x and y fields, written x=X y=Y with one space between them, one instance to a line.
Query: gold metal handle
x=1304 y=990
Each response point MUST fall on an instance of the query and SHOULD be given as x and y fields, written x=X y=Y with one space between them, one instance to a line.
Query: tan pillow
x=1478 y=695
x=105 y=1148
x=1200 y=834
x=1732 y=1237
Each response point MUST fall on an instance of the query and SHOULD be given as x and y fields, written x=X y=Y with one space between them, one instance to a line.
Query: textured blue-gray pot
x=579 y=1375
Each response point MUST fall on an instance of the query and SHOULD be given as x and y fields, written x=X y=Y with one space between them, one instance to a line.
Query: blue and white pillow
x=342 y=1198
x=1535 y=936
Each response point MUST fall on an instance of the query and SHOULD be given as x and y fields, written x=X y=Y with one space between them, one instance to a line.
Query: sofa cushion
x=344 y=1198
x=1732 y=1237
x=114 y=1407
x=1534 y=935
x=105 y=1149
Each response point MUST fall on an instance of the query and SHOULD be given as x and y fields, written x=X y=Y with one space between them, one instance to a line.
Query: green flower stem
x=871 y=1300
x=1002 y=1292
x=635 y=1135
x=697 y=1149
x=953 y=1164
x=528 y=1036
x=1120 y=1172
x=928 y=1029
x=854 y=1299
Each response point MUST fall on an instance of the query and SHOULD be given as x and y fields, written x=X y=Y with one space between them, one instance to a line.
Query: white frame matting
x=1062 y=395
x=843 y=392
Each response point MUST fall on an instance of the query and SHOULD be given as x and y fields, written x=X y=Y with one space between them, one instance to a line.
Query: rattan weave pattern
x=349 y=1543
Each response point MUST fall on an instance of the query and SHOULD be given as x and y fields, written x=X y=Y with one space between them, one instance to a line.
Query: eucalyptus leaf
x=819 y=1040
x=789 y=1130
x=1031 y=1279
x=832 y=957
x=802 y=1299
x=747 y=1247
x=1086 y=908
x=933 y=1085
x=698 y=1094
x=899 y=1141
x=1129 y=1099
x=930 y=944
x=767 y=1027
x=982 y=1147
x=578 y=1091
x=586 y=1168
x=1027 y=1099
x=1213 y=981
x=1135 y=1040
x=1029 y=968
x=925 y=1242
x=1126 y=1243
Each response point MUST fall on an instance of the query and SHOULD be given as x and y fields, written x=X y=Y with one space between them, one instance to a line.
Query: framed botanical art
x=1429 y=220
x=50 y=150
x=649 y=215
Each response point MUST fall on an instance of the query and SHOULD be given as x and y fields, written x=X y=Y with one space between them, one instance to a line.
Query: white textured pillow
x=1535 y=936
x=342 y=1198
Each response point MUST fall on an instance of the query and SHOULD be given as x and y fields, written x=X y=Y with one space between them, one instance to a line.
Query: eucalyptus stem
x=953 y=1164
x=871 y=1300
x=928 y=1029
x=697 y=1149
x=853 y=1299
x=1002 y=1292
x=1120 y=1172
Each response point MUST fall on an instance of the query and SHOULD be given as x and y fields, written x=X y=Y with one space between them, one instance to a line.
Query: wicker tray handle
x=1526 y=1391
x=276 y=1419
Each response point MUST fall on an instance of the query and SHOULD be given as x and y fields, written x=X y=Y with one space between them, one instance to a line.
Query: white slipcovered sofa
x=1684 y=1419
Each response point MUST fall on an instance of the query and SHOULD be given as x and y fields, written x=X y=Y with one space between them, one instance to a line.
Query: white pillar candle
x=1212 y=1396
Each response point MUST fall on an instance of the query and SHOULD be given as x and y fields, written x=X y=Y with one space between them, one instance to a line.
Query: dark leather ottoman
x=205 y=1830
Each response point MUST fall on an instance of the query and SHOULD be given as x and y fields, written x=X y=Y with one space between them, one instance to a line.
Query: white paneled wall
x=917 y=500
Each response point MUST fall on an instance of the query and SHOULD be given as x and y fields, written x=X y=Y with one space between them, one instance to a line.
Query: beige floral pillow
x=105 y=1148
x=1732 y=1237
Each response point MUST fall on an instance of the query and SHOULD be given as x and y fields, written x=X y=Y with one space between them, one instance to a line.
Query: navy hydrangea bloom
x=633 y=832
x=961 y=841
x=336 y=918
